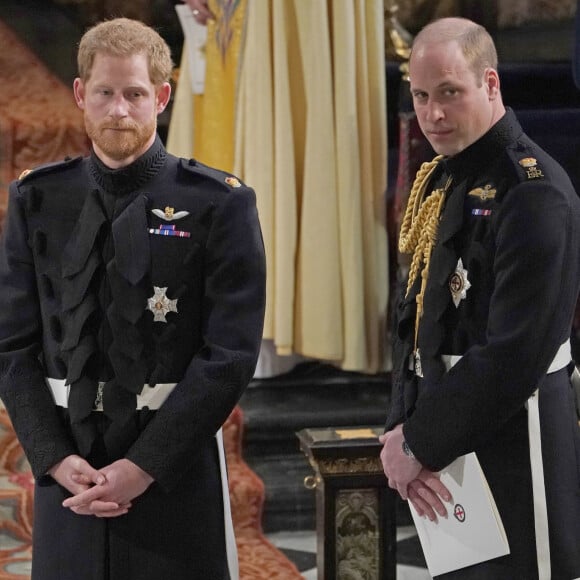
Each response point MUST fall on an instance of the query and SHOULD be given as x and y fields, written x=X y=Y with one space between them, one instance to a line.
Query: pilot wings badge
x=484 y=193
x=169 y=214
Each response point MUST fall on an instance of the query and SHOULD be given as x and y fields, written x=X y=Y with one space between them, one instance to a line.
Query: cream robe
x=310 y=137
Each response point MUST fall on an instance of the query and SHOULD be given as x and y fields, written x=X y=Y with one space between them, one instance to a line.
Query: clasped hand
x=414 y=482
x=107 y=492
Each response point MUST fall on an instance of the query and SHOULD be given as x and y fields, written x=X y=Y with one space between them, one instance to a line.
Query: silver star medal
x=459 y=284
x=160 y=305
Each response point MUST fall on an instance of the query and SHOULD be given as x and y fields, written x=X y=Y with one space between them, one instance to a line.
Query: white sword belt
x=561 y=360
x=150 y=397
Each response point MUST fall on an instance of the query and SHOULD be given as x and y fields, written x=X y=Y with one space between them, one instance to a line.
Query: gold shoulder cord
x=419 y=229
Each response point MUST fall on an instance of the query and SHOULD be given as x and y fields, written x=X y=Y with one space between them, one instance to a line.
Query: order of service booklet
x=473 y=531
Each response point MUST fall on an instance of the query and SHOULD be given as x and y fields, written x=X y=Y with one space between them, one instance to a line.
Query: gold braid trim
x=419 y=229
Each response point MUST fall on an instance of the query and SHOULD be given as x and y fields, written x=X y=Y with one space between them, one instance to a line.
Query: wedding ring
x=195 y=12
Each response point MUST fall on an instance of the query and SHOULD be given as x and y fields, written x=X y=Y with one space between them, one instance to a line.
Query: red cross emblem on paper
x=459 y=512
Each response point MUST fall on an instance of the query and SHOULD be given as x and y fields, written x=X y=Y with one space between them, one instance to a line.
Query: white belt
x=561 y=360
x=231 y=546
x=150 y=397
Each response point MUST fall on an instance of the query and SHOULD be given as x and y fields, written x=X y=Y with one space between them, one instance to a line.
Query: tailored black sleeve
x=22 y=379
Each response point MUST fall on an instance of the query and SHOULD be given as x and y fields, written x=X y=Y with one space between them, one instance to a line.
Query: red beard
x=120 y=140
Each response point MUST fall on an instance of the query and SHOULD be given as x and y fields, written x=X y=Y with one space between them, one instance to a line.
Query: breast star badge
x=459 y=284
x=160 y=305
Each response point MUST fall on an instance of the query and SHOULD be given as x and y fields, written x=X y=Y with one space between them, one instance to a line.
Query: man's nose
x=119 y=107
x=434 y=111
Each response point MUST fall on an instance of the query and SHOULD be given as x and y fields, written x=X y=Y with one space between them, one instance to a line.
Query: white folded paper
x=473 y=531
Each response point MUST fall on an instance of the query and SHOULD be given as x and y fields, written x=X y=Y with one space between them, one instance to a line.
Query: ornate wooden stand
x=355 y=509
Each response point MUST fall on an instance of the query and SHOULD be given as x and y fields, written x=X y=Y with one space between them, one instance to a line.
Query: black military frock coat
x=513 y=218
x=84 y=249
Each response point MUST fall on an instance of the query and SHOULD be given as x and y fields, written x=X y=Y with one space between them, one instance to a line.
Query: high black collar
x=486 y=148
x=130 y=178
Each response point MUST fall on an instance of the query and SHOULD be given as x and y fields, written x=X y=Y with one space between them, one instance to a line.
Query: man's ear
x=163 y=95
x=79 y=92
x=491 y=79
